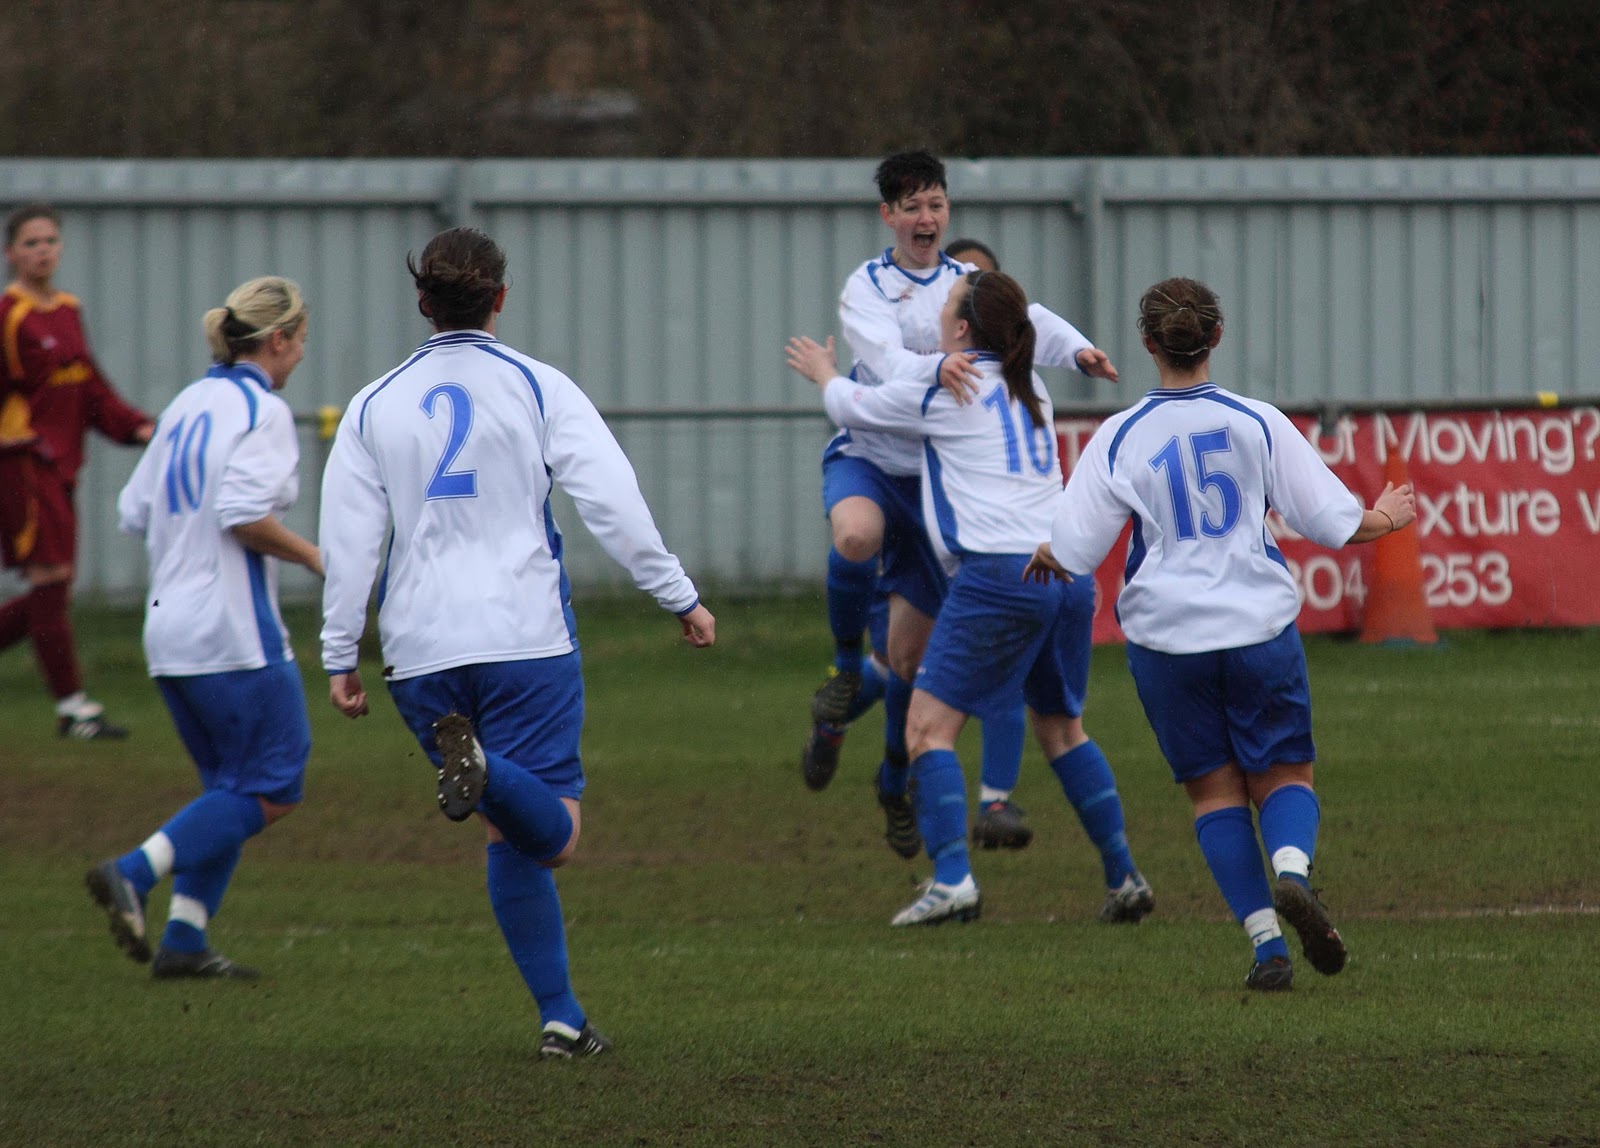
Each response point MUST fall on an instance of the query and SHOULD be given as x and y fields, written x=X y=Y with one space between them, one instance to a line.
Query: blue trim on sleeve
x=933 y=392
x=335 y=673
x=689 y=609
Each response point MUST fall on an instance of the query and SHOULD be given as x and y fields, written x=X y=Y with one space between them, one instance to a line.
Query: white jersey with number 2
x=1197 y=470
x=441 y=472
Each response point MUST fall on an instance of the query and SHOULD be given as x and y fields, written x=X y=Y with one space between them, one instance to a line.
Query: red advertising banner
x=1508 y=516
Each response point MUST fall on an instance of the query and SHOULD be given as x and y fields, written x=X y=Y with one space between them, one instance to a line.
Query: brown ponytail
x=996 y=310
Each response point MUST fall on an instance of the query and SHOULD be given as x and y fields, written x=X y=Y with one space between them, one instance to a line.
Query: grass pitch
x=728 y=928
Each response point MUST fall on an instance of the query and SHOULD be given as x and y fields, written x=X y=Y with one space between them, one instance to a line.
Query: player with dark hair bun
x=441 y=474
x=1209 y=610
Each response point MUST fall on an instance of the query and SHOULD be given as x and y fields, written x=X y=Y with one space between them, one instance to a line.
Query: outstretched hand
x=1095 y=363
x=1043 y=567
x=699 y=627
x=812 y=359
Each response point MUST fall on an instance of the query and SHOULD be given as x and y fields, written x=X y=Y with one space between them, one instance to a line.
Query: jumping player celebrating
x=889 y=314
x=990 y=476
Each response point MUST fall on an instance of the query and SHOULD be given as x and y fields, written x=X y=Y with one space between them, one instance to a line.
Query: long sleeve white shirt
x=990 y=476
x=890 y=318
x=223 y=455
x=441 y=472
x=1196 y=470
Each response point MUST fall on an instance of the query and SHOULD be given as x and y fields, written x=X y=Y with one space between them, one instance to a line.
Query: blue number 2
x=445 y=483
x=1170 y=459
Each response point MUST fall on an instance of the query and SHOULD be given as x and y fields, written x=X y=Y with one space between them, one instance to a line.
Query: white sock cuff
x=189 y=911
x=1262 y=925
x=159 y=853
x=79 y=705
x=1291 y=859
x=987 y=794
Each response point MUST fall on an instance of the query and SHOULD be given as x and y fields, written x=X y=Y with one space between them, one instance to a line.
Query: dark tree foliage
x=798 y=77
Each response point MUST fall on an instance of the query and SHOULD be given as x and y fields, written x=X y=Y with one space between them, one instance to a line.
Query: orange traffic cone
x=1397 y=609
x=1396 y=605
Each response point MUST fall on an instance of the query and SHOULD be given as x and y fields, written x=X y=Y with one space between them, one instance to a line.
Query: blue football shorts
x=527 y=712
x=1250 y=705
x=246 y=730
x=909 y=566
x=997 y=635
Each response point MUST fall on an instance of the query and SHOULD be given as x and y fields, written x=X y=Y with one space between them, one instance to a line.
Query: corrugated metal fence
x=667 y=288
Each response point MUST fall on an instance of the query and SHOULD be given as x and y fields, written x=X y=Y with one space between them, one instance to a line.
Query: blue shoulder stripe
x=928 y=398
x=249 y=396
x=538 y=395
x=1229 y=401
x=417 y=356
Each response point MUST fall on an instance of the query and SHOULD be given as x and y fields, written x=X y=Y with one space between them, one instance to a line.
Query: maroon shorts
x=38 y=526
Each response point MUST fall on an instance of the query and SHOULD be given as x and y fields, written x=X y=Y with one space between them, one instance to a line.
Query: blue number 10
x=1038 y=437
x=445 y=483
x=1170 y=460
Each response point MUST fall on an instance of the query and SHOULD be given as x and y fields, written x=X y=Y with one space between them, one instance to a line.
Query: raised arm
x=896 y=406
x=1060 y=344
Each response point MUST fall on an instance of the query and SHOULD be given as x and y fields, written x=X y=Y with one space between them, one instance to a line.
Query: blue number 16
x=1170 y=459
x=446 y=483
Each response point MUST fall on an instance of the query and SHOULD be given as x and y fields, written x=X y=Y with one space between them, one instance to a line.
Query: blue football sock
x=1289 y=819
x=1086 y=779
x=941 y=804
x=872 y=686
x=896 y=702
x=210 y=829
x=1228 y=841
x=524 y=809
x=135 y=866
x=206 y=885
x=893 y=772
x=1002 y=749
x=523 y=895
x=851 y=588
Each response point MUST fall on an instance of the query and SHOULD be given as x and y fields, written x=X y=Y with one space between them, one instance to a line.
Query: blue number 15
x=446 y=483
x=1170 y=460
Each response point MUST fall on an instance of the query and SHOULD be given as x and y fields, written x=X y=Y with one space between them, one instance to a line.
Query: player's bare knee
x=275 y=811
x=856 y=544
